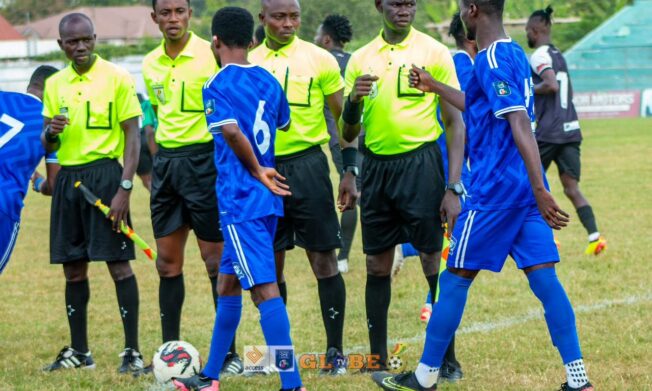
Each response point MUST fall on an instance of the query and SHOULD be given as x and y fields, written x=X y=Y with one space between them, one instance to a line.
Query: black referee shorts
x=310 y=219
x=401 y=197
x=566 y=157
x=145 y=160
x=183 y=192
x=78 y=230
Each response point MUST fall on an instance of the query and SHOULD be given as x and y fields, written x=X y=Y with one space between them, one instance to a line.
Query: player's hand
x=551 y=212
x=57 y=124
x=119 y=209
x=362 y=87
x=421 y=79
x=450 y=210
x=347 y=195
x=273 y=181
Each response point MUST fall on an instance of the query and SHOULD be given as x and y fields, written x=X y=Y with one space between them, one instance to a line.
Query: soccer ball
x=395 y=363
x=175 y=359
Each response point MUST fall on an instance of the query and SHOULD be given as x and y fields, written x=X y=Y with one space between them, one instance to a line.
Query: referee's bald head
x=73 y=19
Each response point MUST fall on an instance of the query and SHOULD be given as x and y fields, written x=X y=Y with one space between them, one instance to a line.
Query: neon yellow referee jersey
x=398 y=118
x=96 y=103
x=308 y=74
x=175 y=87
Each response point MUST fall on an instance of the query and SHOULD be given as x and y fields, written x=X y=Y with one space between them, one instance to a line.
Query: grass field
x=503 y=343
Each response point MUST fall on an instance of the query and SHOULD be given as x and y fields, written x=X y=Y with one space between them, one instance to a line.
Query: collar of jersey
x=503 y=40
x=187 y=51
x=285 y=51
x=464 y=52
x=72 y=73
x=382 y=44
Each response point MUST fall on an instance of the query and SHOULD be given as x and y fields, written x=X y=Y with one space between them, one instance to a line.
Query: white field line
x=535 y=314
x=487 y=327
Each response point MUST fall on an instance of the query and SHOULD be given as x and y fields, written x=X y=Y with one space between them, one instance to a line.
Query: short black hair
x=41 y=74
x=488 y=6
x=154 y=2
x=259 y=34
x=456 y=30
x=544 y=15
x=338 y=27
x=75 y=17
x=234 y=26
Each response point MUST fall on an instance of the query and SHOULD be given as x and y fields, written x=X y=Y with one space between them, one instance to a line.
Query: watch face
x=127 y=184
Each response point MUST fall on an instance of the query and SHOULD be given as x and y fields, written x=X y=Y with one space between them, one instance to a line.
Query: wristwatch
x=352 y=169
x=457 y=188
x=126 y=184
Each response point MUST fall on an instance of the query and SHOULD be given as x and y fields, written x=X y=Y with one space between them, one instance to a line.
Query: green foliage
x=364 y=17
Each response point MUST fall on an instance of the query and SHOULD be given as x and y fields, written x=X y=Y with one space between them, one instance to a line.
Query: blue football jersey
x=501 y=83
x=464 y=70
x=21 y=151
x=250 y=97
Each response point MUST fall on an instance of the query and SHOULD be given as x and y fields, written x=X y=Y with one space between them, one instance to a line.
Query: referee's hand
x=119 y=209
x=347 y=193
x=57 y=124
x=362 y=87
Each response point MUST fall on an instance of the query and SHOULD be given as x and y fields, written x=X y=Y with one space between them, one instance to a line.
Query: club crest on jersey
x=502 y=88
x=452 y=244
x=210 y=107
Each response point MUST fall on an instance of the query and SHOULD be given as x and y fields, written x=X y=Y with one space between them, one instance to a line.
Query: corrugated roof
x=618 y=54
x=128 y=22
x=8 y=32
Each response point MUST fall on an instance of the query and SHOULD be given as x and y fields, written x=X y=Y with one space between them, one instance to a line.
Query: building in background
x=12 y=43
x=611 y=67
x=113 y=25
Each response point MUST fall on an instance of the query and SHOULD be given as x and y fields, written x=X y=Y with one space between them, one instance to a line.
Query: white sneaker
x=343 y=265
x=399 y=260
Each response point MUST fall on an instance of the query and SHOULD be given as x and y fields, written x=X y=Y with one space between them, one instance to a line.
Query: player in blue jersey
x=244 y=106
x=21 y=151
x=511 y=211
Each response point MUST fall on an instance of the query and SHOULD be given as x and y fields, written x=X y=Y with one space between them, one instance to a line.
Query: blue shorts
x=482 y=240
x=249 y=251
x=8 y=234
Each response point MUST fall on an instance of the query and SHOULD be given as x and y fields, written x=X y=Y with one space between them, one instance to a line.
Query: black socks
x=171 y=293
x=332 y=297
x=128 y=301
x=77 y=296
x=378 y=294
x=587 y=218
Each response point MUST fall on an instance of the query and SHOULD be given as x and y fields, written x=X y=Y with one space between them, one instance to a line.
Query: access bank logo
x=267 y=359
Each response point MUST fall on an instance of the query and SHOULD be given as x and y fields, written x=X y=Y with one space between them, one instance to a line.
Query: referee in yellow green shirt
x=91 y=119
x=403 y=189
x=310 y=77
x=183 y=193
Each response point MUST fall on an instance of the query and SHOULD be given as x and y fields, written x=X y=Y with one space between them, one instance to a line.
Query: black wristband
x=352 y=112
x=49 y=137
x=349 y=157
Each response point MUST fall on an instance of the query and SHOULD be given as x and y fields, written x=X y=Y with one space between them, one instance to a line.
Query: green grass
x=616 y=338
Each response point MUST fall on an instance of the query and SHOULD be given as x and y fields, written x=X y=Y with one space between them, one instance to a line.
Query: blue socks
x=446 y=317
x=227 y=318
x=558 y=312
x=276 y=329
